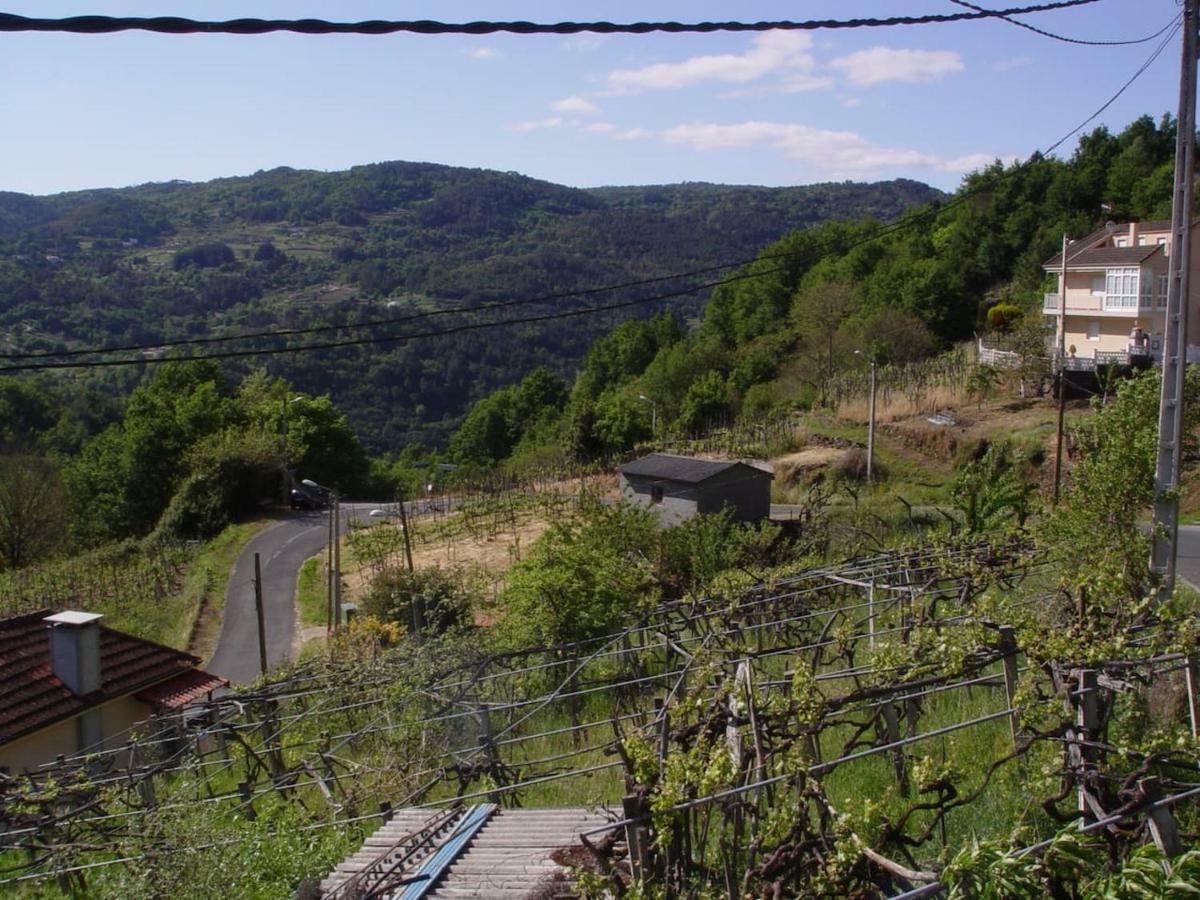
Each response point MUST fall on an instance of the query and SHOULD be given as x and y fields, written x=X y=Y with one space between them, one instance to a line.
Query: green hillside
x=289 y=248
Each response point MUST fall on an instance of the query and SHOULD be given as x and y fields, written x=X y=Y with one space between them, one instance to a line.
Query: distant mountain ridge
x=289 y=247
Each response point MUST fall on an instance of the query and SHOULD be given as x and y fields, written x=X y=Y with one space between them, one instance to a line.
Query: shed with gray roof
x=680 y=487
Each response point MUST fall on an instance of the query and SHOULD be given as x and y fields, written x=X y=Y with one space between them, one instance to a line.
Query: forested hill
x=294 y=248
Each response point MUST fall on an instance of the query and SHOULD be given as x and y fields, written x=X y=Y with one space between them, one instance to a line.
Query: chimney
x=75 y=650
x=1133 y=234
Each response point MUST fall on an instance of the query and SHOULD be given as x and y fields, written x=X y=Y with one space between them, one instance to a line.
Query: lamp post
x=870 y=420
x=333 y=608
x=653 y=415
x=284 y=403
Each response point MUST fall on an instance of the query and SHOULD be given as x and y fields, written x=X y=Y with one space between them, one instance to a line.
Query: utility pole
x=1060 y=353
x=329 y=620
x=258 y=609
x=871 y=424
x=418 y=610
x=1164 y=548
x=337 y=562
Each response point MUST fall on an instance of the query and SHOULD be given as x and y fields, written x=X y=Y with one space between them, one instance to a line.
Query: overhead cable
x=1063 y=38
x=179 y=25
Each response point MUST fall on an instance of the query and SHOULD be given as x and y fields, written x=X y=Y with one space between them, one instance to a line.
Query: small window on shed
x=656 y=494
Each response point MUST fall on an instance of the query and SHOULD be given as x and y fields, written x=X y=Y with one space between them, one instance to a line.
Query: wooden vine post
x=1008 y=646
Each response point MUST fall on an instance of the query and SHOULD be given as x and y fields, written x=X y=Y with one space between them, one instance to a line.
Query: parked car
x=302 y=498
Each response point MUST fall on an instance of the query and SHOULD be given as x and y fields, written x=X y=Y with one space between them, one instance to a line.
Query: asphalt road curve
x=282 y=549
x=1187 y=563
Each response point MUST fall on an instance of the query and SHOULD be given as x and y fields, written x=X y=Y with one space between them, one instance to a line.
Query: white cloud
x=575 y=104
x=850 y=102
x=600 y=127
x=776 y=52
x=1015 y=62
x=631 y=134
x=484 y=53
x=841 y=153
x=881 y=64
x=973 y=161
x=537 y=124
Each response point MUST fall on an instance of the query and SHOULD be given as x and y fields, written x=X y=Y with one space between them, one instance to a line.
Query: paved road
x=1188 y=563
x=282 y=549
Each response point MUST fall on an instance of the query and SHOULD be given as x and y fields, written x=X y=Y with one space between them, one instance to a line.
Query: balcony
x=1111 y=358
x=1091 y=304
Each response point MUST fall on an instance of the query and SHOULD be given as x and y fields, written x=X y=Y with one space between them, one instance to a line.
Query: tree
x=705 y=404
x=33 y=510
x=817 y=312
x=580 y=578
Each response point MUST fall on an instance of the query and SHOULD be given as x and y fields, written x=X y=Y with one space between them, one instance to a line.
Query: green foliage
x=204 y=256
x=1004 y=316
x=395 y=591
x=981 y=383
x=993 y=489
x=704 y=405
x=231 y=474
x=1110 y=486
x=580 y=578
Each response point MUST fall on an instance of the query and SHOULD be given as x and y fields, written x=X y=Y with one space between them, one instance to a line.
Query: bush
x=203 y=256
x=852 y=466
x=1004 y=316
x=394 y=592
x=232 y=474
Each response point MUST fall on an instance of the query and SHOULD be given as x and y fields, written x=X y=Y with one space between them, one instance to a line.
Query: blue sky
x=925 y=102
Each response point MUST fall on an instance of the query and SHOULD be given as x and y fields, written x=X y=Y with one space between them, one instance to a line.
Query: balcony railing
x=1050 y=302
x=1110 y=358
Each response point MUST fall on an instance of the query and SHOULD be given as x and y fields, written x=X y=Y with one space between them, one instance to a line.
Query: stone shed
x=680 y=487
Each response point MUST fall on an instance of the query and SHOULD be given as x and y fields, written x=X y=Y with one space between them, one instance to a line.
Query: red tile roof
x=32 y=697
x=182 y=689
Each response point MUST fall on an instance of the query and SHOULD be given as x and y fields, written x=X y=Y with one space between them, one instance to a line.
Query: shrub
x=852 y=466
x=395 y=591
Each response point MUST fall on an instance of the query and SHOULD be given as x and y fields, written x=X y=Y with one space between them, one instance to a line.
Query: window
x=1122 y=242
x=656 y=494
x=1094 y=330
x=1121 y=288
x=1163 y=284
x=1097 y=285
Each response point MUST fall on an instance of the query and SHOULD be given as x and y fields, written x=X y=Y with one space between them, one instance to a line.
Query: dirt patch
x=796 y=467
x=487 y=559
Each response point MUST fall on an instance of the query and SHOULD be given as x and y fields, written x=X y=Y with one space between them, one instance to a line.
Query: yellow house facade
x=1116 y=296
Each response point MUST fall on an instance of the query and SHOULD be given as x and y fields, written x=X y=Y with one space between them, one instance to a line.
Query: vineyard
x=897 y=725
x=135 y=585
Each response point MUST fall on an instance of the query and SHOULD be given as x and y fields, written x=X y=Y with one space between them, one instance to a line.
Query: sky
x=928 y=102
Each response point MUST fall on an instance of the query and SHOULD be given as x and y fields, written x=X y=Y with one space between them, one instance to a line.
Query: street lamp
x=653 y=415
x=870 y=419
x=284 y=403
x=333 y=608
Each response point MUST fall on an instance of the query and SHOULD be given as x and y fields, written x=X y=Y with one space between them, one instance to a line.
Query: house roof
x=1078 y=251
x=32 y=696
x=684 y=469
x=1106 y=256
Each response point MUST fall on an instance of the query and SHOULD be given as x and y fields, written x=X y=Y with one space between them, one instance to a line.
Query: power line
x=1064 y=39
x=376 y=323
x=1113 y=99
x=906 y=222
x=178 y=25
x=359 y=342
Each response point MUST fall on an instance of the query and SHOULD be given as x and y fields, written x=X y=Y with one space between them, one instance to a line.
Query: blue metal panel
x=435 y=866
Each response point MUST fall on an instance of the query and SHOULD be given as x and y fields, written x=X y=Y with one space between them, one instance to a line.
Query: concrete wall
x=678 y=504
x=63 y=737
x=746 y=491
x=1114 y=333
